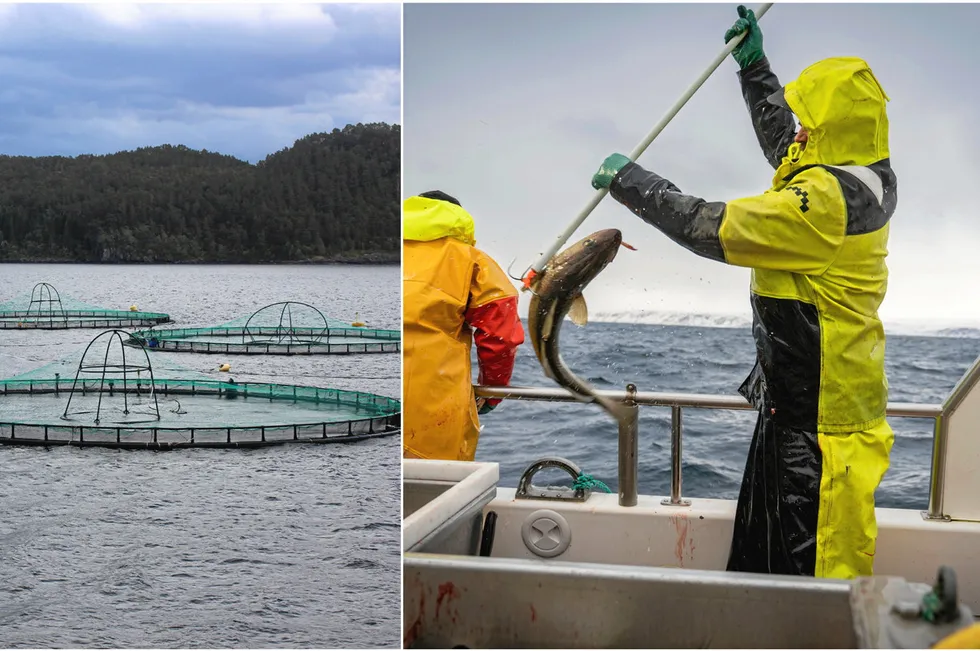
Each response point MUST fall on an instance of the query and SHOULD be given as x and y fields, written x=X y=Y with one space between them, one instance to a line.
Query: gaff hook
x=512 y=276
x=525 y=280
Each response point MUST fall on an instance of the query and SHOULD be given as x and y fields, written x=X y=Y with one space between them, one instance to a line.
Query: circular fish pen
x=46 y=309
x=286 y=328
x=113 y=398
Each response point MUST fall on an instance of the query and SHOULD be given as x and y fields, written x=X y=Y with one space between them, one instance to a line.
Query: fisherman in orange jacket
x=453 y=294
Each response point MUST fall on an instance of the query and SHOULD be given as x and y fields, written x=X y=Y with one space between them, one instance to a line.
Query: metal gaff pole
x=540 y=263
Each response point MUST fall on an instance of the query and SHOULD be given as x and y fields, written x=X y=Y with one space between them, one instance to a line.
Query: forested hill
x=329 y=197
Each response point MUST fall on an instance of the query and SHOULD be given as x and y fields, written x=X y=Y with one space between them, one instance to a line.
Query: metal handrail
x=628 y=433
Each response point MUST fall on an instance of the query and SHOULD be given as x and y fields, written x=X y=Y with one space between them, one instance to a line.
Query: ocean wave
x=701 y=359
x=892 y=327
x=675 y=319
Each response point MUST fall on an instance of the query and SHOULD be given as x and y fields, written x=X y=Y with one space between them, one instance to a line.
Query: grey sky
x=512 y=108
x=245 y=80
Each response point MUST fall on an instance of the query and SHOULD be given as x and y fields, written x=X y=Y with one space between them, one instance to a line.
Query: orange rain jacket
x=453 y=294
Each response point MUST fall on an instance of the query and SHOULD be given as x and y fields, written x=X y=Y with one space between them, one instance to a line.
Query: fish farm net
x=111 y=395
x=287 y=328
x=46 y=309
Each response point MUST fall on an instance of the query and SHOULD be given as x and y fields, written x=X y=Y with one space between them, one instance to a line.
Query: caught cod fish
x=557 y=292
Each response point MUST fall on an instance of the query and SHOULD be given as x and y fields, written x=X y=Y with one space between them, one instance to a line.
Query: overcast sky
x=513 y=107
x=245 y=80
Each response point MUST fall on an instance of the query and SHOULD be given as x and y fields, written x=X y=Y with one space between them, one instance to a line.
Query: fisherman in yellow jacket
x=454 y=294
x=816 y=242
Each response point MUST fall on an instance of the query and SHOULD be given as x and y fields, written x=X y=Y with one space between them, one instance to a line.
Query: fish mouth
x=609 y=237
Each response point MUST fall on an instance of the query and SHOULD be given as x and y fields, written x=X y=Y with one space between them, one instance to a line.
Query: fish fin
x=547 y=323
x=579 y=312
x=545 y=333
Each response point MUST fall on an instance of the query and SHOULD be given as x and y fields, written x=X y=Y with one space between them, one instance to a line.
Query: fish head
x=580 y=263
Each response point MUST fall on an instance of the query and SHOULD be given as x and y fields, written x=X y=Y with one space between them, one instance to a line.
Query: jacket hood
x=425 y=220
x=842 y=106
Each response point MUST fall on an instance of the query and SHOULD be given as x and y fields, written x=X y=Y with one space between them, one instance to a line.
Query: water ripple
x=699 y=360
x=279 y=547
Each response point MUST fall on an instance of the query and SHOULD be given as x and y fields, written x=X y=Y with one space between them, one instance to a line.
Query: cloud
x=245 y=79
x=149 y=25
x=534 y=97
x=148 y=17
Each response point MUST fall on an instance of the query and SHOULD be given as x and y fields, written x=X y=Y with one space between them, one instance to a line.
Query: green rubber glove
x=486 y=408
x=608 y=171
x=749 y=51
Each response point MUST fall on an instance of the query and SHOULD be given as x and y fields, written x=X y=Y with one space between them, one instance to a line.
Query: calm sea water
x=281 y=547
x=716 y=443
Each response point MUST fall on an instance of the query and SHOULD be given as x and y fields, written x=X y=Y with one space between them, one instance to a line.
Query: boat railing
x=630 y=400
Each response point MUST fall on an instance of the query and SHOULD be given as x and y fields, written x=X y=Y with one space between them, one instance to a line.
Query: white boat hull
x=698 y=537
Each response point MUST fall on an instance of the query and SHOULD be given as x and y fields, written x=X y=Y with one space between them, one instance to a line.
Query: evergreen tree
x=330 y=197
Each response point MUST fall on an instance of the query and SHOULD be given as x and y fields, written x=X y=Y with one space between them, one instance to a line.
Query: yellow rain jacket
x=816 y=242
x=453 y=294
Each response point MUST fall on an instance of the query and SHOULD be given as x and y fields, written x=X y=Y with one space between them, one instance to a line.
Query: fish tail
x=589 y=395
x=609 y=406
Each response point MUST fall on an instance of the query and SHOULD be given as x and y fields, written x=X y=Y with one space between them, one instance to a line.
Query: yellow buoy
x=133 y=308
x=357 y=322
x=224 y=368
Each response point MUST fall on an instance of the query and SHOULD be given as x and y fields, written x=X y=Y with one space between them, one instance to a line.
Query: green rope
x=585 y=482
x=931 y=605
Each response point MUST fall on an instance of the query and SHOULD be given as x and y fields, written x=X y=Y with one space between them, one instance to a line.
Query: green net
x=111 y=395
x=287 y=328
x=287 y=315
x=46 y=308
x=66 y=367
